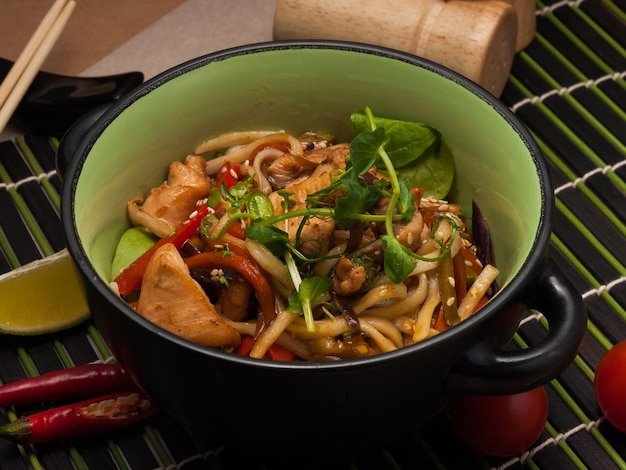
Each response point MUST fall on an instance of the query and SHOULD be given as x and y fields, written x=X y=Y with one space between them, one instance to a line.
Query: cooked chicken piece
x=188 y=173
x=349 y=277
x=291 y=169
x=319 y=179
x=315 y=235
x=317 y=232
x=173 y=201
x=173 y=300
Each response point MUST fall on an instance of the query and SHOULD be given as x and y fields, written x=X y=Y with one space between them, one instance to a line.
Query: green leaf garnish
x=307 y=295
x=408 y=141
x=272 y=237
x=357 y=200
x=406 y=201
x=259 y=205
x=398 y=262
x=364 y=151
x=417 y=153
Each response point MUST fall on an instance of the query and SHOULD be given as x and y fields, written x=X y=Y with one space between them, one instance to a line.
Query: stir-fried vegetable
x=348 y=248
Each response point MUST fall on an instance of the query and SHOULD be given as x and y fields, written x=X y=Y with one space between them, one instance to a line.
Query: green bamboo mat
x=569 y=88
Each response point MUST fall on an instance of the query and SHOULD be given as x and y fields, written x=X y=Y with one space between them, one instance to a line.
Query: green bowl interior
x=299 y=90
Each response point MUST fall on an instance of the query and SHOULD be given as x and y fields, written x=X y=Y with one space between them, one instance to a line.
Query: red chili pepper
x=131 y=277
x=245 y=266
x=275 y=352
x=229 y=174
x=76 y=382
x=93 y=416
x=237 y=230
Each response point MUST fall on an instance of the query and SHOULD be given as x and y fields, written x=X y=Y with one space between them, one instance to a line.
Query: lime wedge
x=44 y=296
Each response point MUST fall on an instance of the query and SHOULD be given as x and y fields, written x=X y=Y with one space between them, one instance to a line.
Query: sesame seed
x=444 y=207
x=214 y=272
x=468 y=263
x=450 y=301
x=409 y=238
x=193 y=214
x=451 y=281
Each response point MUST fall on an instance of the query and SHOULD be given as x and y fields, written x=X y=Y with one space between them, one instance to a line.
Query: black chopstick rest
x=54 y=102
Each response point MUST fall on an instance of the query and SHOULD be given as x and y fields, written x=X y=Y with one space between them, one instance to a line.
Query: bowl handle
x=488 y=369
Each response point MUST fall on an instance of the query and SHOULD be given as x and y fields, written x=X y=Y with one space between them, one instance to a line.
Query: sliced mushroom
x=287 y=168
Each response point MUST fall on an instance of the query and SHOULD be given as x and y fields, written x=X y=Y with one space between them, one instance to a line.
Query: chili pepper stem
x=17 y=431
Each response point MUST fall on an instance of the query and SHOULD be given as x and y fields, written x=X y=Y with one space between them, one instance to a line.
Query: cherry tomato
x=500 y=425
x=610 y=385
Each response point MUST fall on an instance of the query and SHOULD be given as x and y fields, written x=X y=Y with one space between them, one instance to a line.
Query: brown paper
x=96 y=28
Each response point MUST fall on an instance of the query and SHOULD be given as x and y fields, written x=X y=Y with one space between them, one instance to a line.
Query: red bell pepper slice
x=237 y=230
x=228 y=174
x=275 y=351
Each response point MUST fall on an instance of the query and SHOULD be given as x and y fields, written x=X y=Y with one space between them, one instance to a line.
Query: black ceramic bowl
x=327 y=407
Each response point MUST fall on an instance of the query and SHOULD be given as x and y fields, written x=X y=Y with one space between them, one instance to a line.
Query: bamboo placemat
x=569 y=88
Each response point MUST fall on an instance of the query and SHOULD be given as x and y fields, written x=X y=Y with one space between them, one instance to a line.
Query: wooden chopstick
x=25 y=68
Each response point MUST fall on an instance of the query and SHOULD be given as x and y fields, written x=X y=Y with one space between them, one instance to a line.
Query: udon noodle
x=252 y=257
